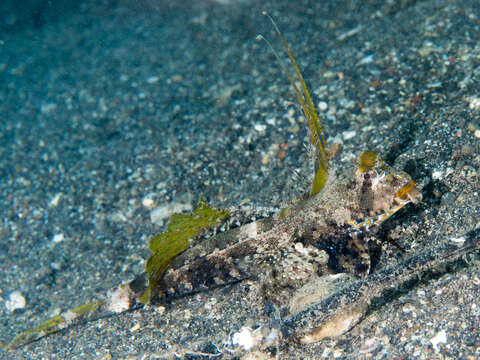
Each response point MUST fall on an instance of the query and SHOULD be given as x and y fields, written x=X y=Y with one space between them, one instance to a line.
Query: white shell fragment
x=440 y=338
x=244 y=338
x=460 y=240
x=16 y=301
x=437 y=174
x=58 y=238
x=260 y=127
x=148 y=202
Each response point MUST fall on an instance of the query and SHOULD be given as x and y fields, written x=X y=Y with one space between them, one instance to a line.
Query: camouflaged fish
x=327 y=233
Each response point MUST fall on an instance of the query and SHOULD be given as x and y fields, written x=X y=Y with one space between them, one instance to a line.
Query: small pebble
x=58 y=238
x=55 y=200
x=135 y=327
x=474 y=103
x=408 y=308
x=260 y=127
x=366 y=60
x=370 y=345
x=459 y=240
x=437 y=174
x=46 y=108
x=270 y=121
x=153 y=79
x=322 y=106
x=148 y=202
x=347 y=135
x=56 y=266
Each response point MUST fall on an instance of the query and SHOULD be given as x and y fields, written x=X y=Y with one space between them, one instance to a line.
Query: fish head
x=383 y=189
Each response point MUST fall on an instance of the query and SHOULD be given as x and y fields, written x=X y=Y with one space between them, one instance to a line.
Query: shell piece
x=317 y=290
x=336 y=325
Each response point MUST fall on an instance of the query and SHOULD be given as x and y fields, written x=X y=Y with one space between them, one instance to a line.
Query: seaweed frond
x=166 y=246
x=56 y=323
x=367 y=161
x=317 y=136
